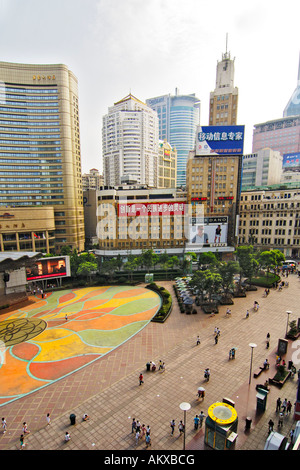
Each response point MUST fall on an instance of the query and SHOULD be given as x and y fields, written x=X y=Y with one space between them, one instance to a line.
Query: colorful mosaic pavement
x=53 y=337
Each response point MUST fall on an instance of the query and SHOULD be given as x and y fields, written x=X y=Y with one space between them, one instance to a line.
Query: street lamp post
x=252 y=346
x=287 y=323
x=184 y=406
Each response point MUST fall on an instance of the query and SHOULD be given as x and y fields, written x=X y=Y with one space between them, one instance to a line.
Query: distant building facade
x=178 y=118
x=262 y=168
x=167 y=165
x=270 y=218
x=92 y=180
x=40 y=156
x=130 y=142
x=223 y=107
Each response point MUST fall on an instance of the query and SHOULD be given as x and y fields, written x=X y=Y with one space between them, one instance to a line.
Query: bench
x=258 y=371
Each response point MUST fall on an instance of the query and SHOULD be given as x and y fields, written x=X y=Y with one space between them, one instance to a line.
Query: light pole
x=184 y=406
x=252 y=346
x=287 y=323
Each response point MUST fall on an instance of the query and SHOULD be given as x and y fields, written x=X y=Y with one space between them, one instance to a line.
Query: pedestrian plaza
x=108 y=389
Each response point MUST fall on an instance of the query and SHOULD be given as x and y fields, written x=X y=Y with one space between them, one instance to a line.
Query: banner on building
x=220 y=140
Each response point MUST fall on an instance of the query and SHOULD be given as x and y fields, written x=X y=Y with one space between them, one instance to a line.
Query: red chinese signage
x=151 y=208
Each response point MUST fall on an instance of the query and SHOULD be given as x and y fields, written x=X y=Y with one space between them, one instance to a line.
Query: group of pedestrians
x=140 y=432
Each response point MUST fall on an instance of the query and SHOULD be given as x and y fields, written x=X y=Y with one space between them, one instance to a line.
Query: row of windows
x=5 y=96
x=28 y=123
x=27 y=104
x=30 y=179
x=21 y=154
x=30 y=167
x=33 y=173
x=31 y=160
x=28 y=149
x=35 y=90
x=30 y=142
x=32 y=191
x=34 y=117
x=12 y=198
x=20 y=111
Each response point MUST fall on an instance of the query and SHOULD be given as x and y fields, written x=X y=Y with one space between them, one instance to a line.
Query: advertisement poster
x=208 y=231
x=49 y=268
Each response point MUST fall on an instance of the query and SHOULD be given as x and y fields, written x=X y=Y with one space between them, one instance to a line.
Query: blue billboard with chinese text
x=291 y=161
x=220 y=140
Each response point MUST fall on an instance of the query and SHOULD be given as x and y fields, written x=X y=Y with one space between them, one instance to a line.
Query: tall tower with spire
x=223 y=104
x=293 y=106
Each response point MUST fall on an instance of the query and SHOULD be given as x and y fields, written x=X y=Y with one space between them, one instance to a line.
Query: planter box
x=280 y=383
x=293 y=337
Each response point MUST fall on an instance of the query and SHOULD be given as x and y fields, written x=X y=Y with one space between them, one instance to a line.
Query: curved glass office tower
x=178 y=118
x=40 y=161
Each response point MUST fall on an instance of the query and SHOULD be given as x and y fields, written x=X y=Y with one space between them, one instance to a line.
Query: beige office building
x=40 y=158
x=133 y=218
x=270 y=218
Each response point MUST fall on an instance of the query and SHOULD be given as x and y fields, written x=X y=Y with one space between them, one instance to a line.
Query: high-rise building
x=293 y=106
x=130 y=142
x=282 y=135
x=223 y=105
x=261 y=168
x=167 y=165
x=178 y=119
x=92 y=180
x=213 y=188
x=40 y=159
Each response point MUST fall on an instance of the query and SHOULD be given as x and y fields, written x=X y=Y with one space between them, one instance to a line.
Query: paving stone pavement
x=108 y=390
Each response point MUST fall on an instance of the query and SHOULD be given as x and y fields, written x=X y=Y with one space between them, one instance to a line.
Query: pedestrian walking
x=247 y=314
x=148 y=440
x=148 y=430
x=138 y=426
x=271 y=425
x=67 y=437
x=22 y=443
x=137 y=436
x=133 y=425
x=201 y=418
x=198 y=340
x=48 y=419
x=141 y=377
x=280 y=420
x=181 y=428
x=196 y=422
x=143 y=431
x=216 y=339
x=292 y=435
x=284 y=405
x=172 y=425
x=278 y=404
x=25 y=428
x=289 y=407
x=85 y=417
x=4 y=425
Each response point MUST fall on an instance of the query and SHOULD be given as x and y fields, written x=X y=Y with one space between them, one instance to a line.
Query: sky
x=151 y=47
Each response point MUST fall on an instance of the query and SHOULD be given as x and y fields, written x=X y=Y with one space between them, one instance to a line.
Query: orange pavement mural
x=53 y=337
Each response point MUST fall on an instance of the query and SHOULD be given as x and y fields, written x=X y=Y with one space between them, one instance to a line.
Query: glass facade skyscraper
x=40 y=161
x=178 y=118
x=293 y=106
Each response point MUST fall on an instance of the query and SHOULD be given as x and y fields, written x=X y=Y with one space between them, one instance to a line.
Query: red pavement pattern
x=169 y=341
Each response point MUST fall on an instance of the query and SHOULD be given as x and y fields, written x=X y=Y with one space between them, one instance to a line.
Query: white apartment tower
x=130 y=143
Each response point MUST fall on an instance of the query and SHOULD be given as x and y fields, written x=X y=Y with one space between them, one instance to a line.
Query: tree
x=109 y=267
x=206 y=281
x=147 y=259
x=247 y=261
x=207 y=259
x=270 y=259
x=227 y=272
x=131 y=265
x=87 y=268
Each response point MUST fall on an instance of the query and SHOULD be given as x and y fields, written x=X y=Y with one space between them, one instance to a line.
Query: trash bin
x=148 y=365
x=248 y=423
x=73 y=418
